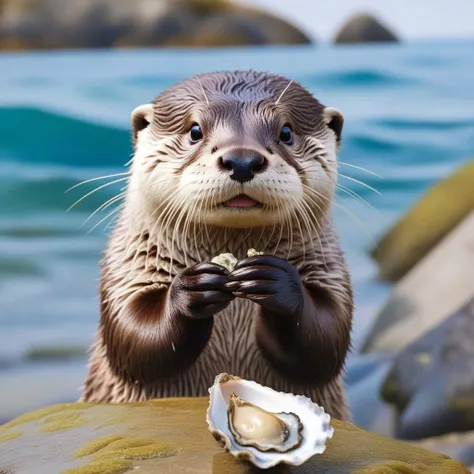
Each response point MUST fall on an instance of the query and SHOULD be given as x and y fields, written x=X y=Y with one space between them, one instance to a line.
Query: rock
x=458 y=446
x=436 y=288
x=55 y=353
x=438 y=212
x=171 y=435
x=432 y=381
x=364 y=29
x=55 y=24
x=368 y=410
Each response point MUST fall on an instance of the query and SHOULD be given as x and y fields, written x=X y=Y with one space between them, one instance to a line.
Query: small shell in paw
x=253 y=253
x=227 y=260
x=265 y=426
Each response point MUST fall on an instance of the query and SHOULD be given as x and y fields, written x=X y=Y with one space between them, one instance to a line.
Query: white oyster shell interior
x=314 y=430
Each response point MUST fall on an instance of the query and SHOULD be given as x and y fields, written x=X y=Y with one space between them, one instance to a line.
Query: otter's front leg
x=301 y=330
x=161 y=330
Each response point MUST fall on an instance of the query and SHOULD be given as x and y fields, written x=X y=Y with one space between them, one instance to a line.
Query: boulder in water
x=364 y=28
x=432 y=381
x=55 y=24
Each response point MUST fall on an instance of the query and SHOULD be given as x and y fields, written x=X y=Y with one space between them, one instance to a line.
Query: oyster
x=264 y=426
x=228 y=260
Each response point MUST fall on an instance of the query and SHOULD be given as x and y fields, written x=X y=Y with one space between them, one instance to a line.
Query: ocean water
x=64 y=118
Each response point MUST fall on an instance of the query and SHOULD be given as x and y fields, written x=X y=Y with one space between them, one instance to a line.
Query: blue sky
x=411 y=19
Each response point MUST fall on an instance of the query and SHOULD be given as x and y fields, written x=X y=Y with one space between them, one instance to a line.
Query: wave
x=365 y=78
x=434 y=124
x=34 y=135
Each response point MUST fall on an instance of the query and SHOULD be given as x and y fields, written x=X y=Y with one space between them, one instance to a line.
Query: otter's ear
x=334 y=120
x=141 y=118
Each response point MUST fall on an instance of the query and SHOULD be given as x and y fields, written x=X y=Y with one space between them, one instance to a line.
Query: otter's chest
x=232 y=344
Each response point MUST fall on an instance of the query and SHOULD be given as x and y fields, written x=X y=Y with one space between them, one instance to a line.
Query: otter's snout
x=243 y=164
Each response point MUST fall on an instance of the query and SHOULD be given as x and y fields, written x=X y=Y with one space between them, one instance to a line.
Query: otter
x=225 y=162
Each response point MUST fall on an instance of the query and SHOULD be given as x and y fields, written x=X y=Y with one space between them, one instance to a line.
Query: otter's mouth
x=242 y=201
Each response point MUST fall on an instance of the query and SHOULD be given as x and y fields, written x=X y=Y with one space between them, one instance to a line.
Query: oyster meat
x=228 y=260
x=264 y=426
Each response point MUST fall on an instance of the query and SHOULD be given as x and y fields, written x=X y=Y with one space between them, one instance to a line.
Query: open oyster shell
x=263 y=426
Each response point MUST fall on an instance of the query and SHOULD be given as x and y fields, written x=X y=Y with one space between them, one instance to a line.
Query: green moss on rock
x=101 y=467
x=438 y=212
x=63 y=425
x=43 y=412
x=171 y=435
x=9 y=436
x=129 y=448
x=96 y=445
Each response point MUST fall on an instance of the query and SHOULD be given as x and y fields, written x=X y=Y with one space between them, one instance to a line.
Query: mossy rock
x=433 y=217
x=32 y=24
x=171 y=436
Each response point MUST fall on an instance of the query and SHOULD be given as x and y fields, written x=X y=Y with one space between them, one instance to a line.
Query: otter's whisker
x=164 y=217
x=289 y=225
x=284 y=90
x=360 y=168
x=151 y=232
x=209 y=202
x=301 y=212
x=190 y=219
x=314 y=226
x=95 y=190
x=202 y=89
x=96 y=179
x=105 y=206
x=361 y=183
x=353 y=194
x=117 y=209
x=184 y=204
x=349 y=213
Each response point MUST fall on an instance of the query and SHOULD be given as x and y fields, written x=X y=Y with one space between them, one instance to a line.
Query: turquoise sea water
x=64 y=118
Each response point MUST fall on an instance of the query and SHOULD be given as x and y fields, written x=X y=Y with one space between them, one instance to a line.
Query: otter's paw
x=200 y=291
x=270 y=281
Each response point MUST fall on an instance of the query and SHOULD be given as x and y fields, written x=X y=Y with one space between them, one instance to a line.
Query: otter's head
x=236 y=149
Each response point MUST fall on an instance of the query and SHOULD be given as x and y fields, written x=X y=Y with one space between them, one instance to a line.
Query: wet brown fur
x=140 y=351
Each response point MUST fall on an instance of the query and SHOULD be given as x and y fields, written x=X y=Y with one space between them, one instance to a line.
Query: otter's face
x=236 y=149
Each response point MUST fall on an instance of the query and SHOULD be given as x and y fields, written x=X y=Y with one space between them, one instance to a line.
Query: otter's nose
x=244 y=164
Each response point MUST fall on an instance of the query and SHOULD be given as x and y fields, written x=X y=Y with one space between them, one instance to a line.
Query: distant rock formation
x=59 y=24
x=363 y=28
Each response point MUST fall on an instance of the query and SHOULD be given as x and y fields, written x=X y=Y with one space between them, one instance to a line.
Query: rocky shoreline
x=56 y=24
x=426 y=327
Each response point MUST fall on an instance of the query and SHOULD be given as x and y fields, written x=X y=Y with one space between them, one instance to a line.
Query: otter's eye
x=195 y=133
x=286 y=135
